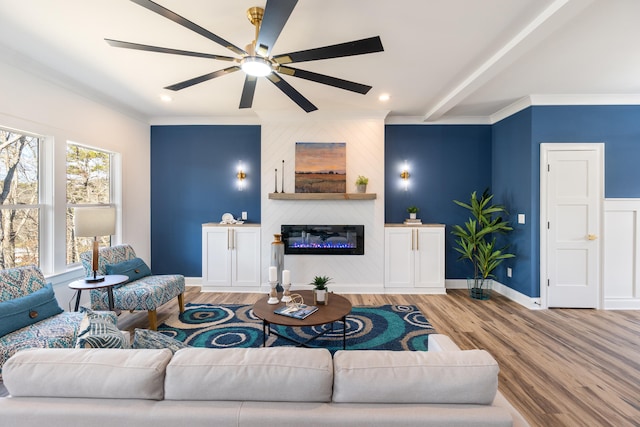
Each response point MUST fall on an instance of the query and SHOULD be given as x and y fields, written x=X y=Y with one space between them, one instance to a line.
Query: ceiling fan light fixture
x=255 y=66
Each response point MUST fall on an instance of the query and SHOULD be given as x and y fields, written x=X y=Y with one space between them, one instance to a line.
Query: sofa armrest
x=438 y=342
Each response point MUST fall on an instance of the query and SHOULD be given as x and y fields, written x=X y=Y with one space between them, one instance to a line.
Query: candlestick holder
x=286 y=295
x=273 y=294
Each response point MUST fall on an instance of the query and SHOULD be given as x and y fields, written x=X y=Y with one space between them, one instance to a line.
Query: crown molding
x=564 y=100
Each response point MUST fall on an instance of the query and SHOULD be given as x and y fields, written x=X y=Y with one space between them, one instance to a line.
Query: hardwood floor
x=559 y=367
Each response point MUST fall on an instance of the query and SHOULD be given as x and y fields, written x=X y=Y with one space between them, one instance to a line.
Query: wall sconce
x=405 y=177
x=241 y=176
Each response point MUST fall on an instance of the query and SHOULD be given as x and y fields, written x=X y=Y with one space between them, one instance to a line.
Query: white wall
x=364 y=138
x=32 y=103
x=621 y=254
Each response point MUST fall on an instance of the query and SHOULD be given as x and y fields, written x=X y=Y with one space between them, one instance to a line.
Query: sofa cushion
x=146 y=338
x=277 y=374
x=24 y=311
x=90 y=373
x=464 y=377
x=99 y=330
x=134 y=268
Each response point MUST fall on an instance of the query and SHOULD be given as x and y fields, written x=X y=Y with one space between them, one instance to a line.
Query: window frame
x=111 y=203
x=40 y=205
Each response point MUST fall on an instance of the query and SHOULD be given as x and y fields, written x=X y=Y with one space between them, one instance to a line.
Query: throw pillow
x=99 y=330
x=134 y=268
x=24 y=311
x=145 y=338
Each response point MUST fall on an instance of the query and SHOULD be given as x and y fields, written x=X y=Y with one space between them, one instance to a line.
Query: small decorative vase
x=361 y=188
x=413 y=215
x=277 y=258
x=320 y=297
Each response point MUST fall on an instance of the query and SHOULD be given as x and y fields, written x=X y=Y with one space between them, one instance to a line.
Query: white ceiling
x=446 y=60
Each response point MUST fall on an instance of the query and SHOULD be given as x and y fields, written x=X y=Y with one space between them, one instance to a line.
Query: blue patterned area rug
x=388 y=327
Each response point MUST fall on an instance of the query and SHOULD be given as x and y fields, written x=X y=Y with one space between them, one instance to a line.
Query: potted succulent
x=413 y=212
x=320 y=293
x=361 y=183
x=476 y=242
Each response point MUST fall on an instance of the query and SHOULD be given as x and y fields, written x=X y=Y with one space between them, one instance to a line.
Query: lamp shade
x=93 y=222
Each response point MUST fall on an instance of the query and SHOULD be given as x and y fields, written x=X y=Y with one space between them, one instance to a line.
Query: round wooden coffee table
x=337 y=309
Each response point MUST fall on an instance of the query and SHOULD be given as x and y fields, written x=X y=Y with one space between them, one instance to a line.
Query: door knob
x=592 y=237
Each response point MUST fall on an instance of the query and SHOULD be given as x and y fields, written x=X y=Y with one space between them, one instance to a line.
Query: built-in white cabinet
x=414 y=258
x=230 y=256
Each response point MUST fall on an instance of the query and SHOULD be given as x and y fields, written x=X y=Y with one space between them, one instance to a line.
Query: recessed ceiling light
x=165 y=98
x=384 y=97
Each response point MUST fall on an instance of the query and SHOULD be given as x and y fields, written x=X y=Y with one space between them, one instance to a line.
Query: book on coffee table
x=297 y=312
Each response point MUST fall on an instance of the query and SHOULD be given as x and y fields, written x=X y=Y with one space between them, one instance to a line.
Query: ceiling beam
x=557 y=14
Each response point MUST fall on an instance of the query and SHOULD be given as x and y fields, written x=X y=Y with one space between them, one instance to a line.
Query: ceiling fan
x=256 y=59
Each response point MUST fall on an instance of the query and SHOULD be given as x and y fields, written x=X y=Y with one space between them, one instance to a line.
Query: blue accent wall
x=518 y=180
x=193 y=178
x=512 y=185
x=193 y=181
x=446 y=162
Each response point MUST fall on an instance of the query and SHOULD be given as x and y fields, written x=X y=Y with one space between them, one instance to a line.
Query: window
x=88 y=184
x=19 y=199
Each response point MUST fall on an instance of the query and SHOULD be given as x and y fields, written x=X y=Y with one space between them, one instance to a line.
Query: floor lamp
x=95 y=222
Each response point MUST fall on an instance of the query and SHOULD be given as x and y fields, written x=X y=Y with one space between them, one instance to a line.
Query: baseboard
x=512 y=294
x=524 y=300
x=622 y=304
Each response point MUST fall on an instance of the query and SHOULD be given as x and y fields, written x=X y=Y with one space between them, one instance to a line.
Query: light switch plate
x=244 y=215
x=520 y=218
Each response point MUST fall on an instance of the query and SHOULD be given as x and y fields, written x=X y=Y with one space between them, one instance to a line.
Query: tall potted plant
x=476 y=241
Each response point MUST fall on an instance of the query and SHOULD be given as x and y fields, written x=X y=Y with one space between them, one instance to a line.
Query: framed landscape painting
x=321 y=167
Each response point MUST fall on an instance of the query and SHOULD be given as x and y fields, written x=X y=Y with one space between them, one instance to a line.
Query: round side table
x=109 y=282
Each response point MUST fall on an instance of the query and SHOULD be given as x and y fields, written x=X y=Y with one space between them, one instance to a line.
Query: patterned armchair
x=147 y=293
x=59 y=330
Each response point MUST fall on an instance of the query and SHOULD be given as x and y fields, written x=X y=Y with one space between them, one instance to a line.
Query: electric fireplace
x=323 y=239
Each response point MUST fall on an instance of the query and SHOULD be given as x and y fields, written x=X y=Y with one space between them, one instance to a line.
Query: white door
x=573 y=197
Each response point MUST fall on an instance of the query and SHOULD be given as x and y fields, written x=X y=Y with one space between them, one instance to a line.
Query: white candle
x=286 y=277
x=273 y=274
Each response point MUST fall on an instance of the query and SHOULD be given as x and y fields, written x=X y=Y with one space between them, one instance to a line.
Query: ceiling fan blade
x=356 y=47
x=247 y=91
x=276 y=14
x=163 y=11
x=324 y=79
x=295 y=96
x=137 y=46
x=202 y=78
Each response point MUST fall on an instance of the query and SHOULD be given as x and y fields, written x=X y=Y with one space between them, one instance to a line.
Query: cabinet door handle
x=413 y=241
x=228 y=239
x=417 y=241
x=233 y=238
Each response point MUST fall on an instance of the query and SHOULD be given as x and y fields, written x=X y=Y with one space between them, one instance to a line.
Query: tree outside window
x=19 y=199
x=88 y=184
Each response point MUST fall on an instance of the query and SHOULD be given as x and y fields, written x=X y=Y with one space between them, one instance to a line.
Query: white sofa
x=281 y=386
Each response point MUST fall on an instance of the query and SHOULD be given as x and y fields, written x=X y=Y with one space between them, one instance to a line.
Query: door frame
x=545 y=148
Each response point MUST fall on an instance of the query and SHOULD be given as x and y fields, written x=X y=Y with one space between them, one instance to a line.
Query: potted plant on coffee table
x=320 y=292
x=476 y=242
